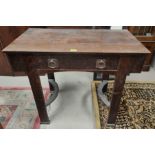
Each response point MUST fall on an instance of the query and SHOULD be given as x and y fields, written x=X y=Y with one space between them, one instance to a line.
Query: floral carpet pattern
x=18 y=109
x=137 y=108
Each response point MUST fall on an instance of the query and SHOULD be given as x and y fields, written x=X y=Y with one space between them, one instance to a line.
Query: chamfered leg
x=124 y=66
x=38 y=96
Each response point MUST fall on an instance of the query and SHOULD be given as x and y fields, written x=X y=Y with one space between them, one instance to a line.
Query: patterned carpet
x=18 y=109
x=137 y=109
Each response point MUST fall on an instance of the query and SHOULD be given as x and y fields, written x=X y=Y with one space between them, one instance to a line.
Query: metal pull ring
x=100 y=63
x=53 y=63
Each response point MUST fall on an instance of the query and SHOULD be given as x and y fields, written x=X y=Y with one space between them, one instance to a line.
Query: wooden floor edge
x=95 y=104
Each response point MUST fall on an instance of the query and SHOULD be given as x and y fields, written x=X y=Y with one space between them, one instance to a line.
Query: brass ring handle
x=53 y=63
x=100 y=63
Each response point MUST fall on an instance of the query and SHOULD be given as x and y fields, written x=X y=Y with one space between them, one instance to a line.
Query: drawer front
x=65 y=62
x=76 y=62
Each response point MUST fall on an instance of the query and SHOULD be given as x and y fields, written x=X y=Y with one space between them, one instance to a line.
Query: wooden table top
x=76 y=40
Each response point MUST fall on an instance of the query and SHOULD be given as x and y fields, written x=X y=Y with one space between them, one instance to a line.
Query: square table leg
x=116 y=98
x=124 y=66
x=38 y=96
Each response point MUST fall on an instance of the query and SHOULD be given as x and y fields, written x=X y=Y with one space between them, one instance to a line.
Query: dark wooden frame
x=115 y=60
x=36 y=64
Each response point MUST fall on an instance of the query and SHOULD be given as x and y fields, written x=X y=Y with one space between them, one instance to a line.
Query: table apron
x=74 y=62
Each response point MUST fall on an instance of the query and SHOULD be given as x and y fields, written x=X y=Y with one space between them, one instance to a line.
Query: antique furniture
x=115 y=52
x=146 y=35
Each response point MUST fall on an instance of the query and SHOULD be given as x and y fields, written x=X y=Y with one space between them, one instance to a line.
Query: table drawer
x=65 y=62
x=76 y=62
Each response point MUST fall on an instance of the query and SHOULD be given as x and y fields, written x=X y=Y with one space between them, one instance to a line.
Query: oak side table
x=41 y=51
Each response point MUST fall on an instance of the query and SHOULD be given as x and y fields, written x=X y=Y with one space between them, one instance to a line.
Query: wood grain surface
x=76 y=40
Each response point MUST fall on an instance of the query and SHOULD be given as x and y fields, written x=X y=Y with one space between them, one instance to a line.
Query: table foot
x=45 y=122
x=111 y=126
